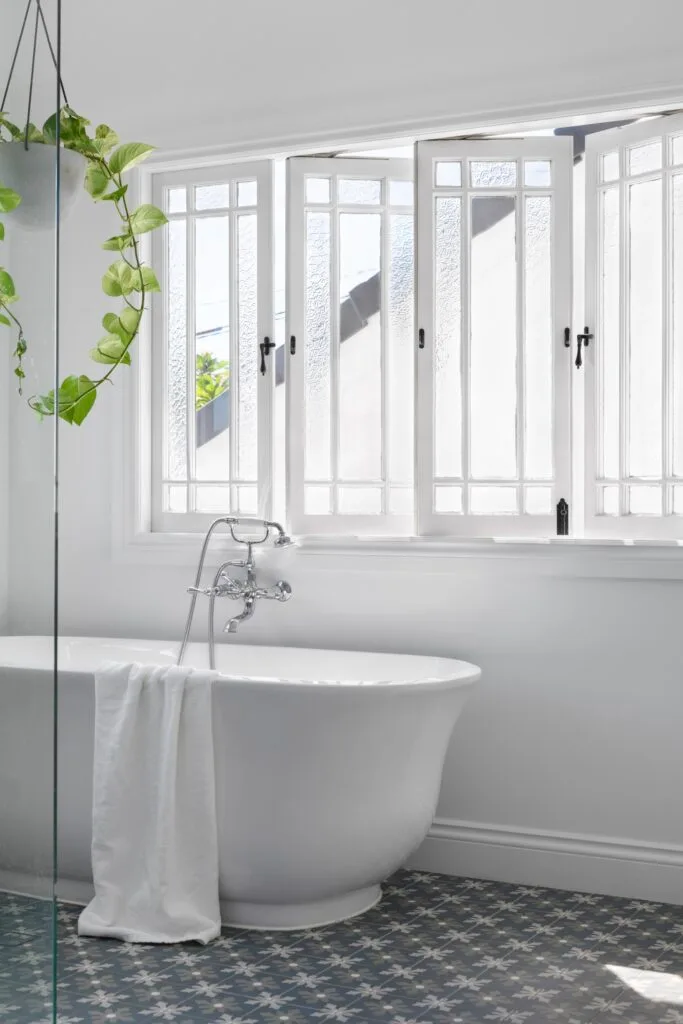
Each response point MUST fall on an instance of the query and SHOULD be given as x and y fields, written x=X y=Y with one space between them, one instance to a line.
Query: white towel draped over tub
x=155 y=841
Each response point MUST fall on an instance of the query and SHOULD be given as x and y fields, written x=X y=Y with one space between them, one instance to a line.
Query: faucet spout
x=232 y=625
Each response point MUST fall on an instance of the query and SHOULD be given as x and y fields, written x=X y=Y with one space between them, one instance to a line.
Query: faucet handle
x=283 y=591
x=206 y=591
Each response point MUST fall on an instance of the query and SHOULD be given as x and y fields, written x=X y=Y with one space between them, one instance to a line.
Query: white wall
x=574 y=730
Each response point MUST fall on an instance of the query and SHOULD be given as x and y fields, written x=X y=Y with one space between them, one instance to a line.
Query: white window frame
x=559 y=151
x=163 y=521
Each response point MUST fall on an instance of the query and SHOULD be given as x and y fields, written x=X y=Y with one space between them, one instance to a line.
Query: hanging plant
x=128 y=277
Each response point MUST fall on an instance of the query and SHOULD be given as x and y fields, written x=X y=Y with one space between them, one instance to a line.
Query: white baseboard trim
x=614 y=867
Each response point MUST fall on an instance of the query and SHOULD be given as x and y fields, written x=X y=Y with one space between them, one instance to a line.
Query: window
x=419 y=372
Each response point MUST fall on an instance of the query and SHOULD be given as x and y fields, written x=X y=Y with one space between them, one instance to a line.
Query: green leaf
x=146 y=218
x=105 y=139
x=2 y=231
x=9 y=199
x=130 y=320
x=34 y=134
x=110 y=349
x=96 y=180
x=5 y=320
x=7 y=289
x=118 y=280
x=76 y=398
x=117 y=194
x=118 y=242
x=146 y=278
x=50 y=129
x=128 y=155
x=44 y=405
x=14 y=131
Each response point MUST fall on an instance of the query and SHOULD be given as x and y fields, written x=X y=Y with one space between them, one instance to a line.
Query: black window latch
x=265 y=346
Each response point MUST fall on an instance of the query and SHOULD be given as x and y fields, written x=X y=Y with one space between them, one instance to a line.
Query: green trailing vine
x=128 y=278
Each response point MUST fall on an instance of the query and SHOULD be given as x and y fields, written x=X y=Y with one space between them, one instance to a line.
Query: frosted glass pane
x=648 y=157
x=317 y=190
x=317 y=350
x=401 y=193
x=448 y=499
x=493 y=173
x=609 y=333
x=400 y=349
x=537 y=173
x=645 y=501
x=212 y=346
x=610 y=166
x=538 y=501
x=645 y=309
x=538 y=335
x=401 y=501
x=610 y=501
x=355 y=190
x=677 y=149
x=176 y=200
x=177 y=350
x=448 y=329
x=493 y=345
x=212 y=499
x=176 y=498
x=678 y=501
x=317 y=500
x=360 y=501
x=212 y=197
x=247 y=500
x=247 y=192
x=360 y=356
x=677 y=324
x=492 y=501
x=449 y=174
x=247 y=348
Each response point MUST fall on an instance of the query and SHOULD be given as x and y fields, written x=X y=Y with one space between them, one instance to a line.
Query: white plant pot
x=32 y=173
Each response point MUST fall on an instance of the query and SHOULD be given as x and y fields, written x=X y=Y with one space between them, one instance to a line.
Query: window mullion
x=191 y=339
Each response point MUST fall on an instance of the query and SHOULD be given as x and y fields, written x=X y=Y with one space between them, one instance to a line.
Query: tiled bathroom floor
x=437 y=950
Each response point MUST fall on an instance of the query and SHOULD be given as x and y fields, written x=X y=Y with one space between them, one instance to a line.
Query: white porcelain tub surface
x=328 y=768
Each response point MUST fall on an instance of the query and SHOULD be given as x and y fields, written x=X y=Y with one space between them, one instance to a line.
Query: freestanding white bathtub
x=328 y=769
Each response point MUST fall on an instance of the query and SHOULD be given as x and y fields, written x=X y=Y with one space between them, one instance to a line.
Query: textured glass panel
x=537 y=173
x=360 y=356
x=212 y=197
x=448 y=328
x=609 y=334
x=317 y=500
x=538 y=501
x=211 y=498
x=677 y=149
x=247 y=500
x=247 y=193
x=493 y=345
x=645 y=309
x=177 y=350
x=610 y=501
x=176 y=200
x=538 y=336
x=356 y=190
x=400 y=351
x=176 y=498
x=677 y=320
x=360 y=501
x=493 y=173
x=449 y=174
x=401 y=193
x=493 y=501
x=610 y=166
x=401 y=501
x=447 y=499
x=648 y=157
x=247 y=348
x=678 y=501
x=317 y=190
x=645 y=501
x=317 y=350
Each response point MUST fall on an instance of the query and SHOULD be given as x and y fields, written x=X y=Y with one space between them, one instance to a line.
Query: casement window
x=422 y=373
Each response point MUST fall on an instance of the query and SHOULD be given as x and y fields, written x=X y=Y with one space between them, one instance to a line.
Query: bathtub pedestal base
x=292 y=916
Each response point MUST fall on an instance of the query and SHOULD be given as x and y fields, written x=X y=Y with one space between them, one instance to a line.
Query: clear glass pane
x=317 y=350
x=247 y=193
x=247 y=501
x=493 y=173
x=677 y=149
x=538 y=337
x=317 y=500
x=212 y=197
x=647 y=157
x=247 y=348
x=360 y=501
x=317 y=190
x=176 y=498
x=177 y=350
x=360 y=357
x=610 y=501
x=493 y=501
x=447 y=499
x=448 y=174
x=211 y=498
x=176 y=200
x=493 y=345
x=677 y=320
x=609 y=333
x=356 y=190
x=448 y=330
x=212 y=348
x=538 y=501
x=610 y=166
x=537 y=173
x=645 y=310
x=678 y=501
x=401 y=193
x=645 y=501
x=401 y=501
x=400 y=350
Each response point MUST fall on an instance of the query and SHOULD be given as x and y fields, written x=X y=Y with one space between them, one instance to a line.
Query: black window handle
x=582 y=341
x=265 y=346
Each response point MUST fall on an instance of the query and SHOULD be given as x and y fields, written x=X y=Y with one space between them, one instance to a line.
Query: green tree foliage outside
x=213 y=378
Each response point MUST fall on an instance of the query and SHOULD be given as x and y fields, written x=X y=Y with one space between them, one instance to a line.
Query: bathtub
x=328 y=768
